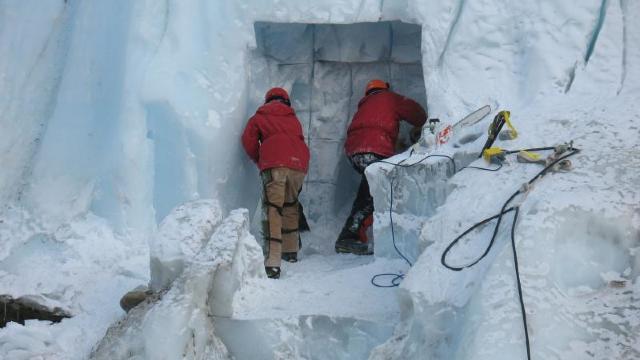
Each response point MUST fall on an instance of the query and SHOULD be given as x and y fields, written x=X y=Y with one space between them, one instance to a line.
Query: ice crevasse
x=115 y=113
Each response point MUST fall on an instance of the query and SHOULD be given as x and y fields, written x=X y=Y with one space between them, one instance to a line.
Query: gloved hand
x=415 y=133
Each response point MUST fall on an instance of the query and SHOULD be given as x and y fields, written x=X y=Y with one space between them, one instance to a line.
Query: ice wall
x=114 y=112
x=129 y=122
x=326 y=68
x=35 y=62
x=129 y=109
x=514 y=55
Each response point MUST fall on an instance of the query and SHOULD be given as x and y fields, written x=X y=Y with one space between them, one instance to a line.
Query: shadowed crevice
x=21 y=309
x=596 y=31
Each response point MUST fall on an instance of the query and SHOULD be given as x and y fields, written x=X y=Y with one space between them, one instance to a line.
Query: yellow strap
x=507 y=119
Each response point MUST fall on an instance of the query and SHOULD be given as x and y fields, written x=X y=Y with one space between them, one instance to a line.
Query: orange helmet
x=376 y=84
x=276 y=93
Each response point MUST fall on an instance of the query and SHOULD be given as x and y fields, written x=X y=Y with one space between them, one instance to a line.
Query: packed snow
x=119 y=135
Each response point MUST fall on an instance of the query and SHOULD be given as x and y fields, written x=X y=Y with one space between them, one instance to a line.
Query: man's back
x=279 y=132
x=374 y=128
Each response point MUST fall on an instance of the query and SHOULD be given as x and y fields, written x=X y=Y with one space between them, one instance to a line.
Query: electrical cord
x=396 y=278
x=504 y=210
x=481 y=168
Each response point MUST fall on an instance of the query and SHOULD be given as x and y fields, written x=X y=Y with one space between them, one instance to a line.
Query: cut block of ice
x=347 y=180
x=354 y=42
x=414 y=199
x=330 y=125
x=331 y=86
x=407 y=80
x=180 y=237
x=361 y=74
x=406 y=42
x=298 y=80
x=267 y=73
x=317 y=198
x=287 y=43
x=326 y=156
x=305 y=118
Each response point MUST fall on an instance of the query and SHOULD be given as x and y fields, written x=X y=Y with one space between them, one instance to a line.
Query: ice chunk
x=180 y=237
x=226 y=260
x=414 y=199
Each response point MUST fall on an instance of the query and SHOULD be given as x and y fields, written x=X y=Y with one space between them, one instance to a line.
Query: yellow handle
x=491 y=152
x=531 y=155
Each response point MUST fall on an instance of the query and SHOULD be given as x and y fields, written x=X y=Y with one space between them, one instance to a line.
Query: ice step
x=304 y=337
x=323 y=307
x=334 y=285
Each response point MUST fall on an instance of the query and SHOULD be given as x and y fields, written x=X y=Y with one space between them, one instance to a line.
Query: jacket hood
x=373 y=94
x=275 y=108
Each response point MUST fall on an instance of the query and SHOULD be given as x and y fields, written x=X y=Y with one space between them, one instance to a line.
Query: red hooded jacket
x=374 y=128
x=273 y=138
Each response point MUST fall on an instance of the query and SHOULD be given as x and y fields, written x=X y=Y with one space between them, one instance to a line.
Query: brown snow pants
x=281 y=188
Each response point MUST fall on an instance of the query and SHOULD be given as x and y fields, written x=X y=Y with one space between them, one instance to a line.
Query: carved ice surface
x=326 y=68
x=115 y=115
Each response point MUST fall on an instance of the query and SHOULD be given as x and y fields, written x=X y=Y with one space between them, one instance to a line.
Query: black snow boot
x=352 y=246
x=291 y=257
x=273 y=272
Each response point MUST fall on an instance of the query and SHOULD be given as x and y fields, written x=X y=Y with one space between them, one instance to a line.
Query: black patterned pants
x=363 y=204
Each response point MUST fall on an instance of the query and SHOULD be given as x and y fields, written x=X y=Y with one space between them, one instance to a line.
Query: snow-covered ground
x=115 y=113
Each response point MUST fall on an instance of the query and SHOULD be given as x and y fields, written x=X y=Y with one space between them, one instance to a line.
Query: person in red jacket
x=371 y=137
x=273 y=139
